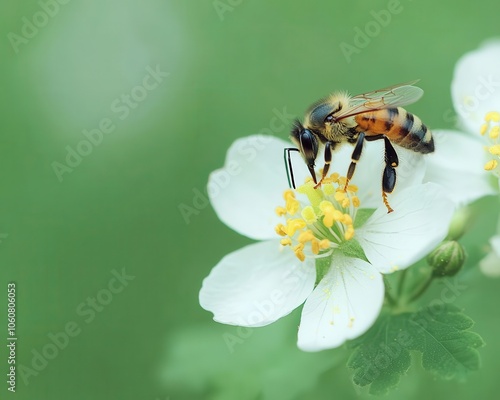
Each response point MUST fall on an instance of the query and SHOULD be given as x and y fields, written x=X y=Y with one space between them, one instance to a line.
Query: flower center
x=322 y=225
x=491 y=130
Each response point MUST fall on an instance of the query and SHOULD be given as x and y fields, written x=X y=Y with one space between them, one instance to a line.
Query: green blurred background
x=229 y=65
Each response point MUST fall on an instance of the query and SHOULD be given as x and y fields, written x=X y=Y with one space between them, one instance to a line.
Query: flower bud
x=459 y=223
x=447 y=259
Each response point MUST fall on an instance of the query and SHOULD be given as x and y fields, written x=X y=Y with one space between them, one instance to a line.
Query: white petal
x=475 y=88
x=458 y=165
x=490 y=265
x=248 y=189
x=343 y=306
x=257 y=285
x=420 y=221
x=369 y=169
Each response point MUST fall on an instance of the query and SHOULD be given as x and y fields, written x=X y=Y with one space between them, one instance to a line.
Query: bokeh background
x=226 y=67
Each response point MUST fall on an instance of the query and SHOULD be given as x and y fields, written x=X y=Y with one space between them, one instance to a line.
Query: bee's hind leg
x=389 y=175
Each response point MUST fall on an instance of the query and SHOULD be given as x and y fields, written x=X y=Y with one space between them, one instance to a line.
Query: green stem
x=388 y=296
x=401 y=283
x=390 y=299
x=422 y=289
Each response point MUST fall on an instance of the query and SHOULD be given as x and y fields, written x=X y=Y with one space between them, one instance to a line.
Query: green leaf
x=448 y=348
x=381 y=355
x=439 y=332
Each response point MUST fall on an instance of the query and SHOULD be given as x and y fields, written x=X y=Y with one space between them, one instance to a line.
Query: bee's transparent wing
x=392 y=96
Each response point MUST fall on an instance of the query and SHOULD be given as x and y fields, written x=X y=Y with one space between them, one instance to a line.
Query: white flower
x=490 y=265
x=463 y=160
x=262 y=282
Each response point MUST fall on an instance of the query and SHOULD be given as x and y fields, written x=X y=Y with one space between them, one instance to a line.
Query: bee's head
x=306 y=141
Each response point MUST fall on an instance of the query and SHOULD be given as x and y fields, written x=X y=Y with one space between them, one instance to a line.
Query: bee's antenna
x=288 y=166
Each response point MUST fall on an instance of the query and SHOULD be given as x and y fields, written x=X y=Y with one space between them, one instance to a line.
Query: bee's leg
x=356 y=154
x=389 y=176
x=329 y=146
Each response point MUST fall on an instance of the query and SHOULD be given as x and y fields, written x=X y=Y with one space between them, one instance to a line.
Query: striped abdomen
x=400 y=126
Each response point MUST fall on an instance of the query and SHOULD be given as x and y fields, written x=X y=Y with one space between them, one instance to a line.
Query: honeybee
x=369 y=116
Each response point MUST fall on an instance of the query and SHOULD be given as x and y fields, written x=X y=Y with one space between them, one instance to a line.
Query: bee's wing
x=392 y=96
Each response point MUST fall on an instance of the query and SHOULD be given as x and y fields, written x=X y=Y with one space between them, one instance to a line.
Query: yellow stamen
x=322 y=224
x=334 y=177
x=280 y=211
x=484 y=129
x=299 y=251
x=294 y=225
x=292 y=206
x=288 y=194
x=491 y=165
x=315 y=246
x=339 y=196
x=324 y=244
x=306 y=236
x=349 y=233
x=495 y=149
x=280 y=229
x=494 y=132
x=346 y=219
x=492 y=116
x=355 y=201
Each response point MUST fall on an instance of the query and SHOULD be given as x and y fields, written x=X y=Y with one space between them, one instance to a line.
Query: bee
x=376 y=115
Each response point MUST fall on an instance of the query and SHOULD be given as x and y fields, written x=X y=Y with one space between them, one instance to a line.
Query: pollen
x=491 y=165
x=492 y=116
x=494 y=132
x=495 y=149
x=299 y=251
x=280 y=211
x=280 y=230
x=491 y=132
x=315 y=229
x=286 y=242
